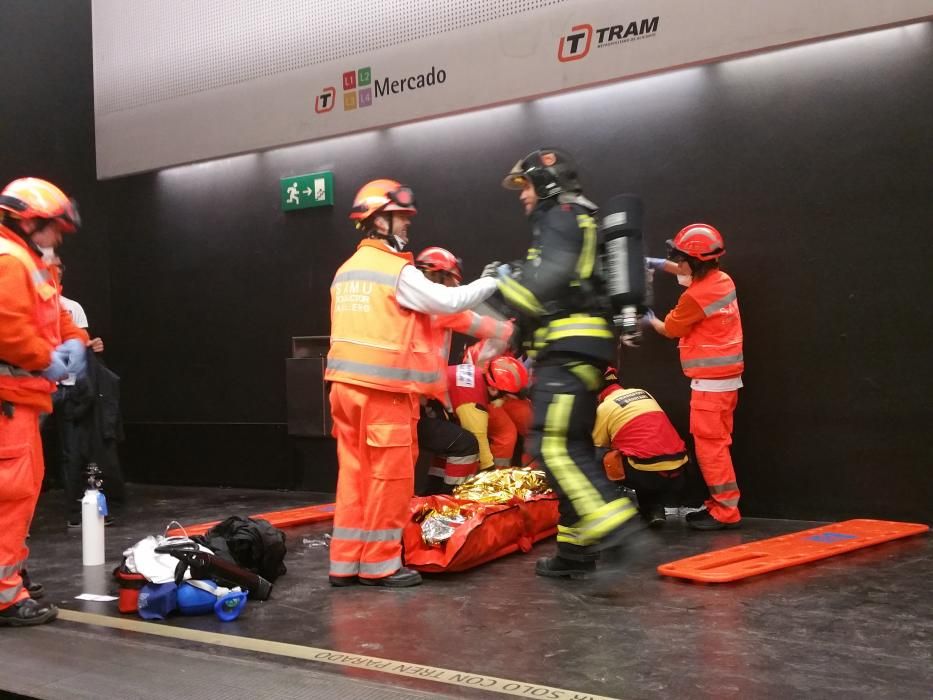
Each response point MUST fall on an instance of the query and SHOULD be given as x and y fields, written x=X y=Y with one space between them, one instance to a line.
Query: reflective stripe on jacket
x=713 y=347
x=374 y=342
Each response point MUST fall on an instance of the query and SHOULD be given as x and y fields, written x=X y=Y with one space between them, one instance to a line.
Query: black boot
x=654 y=516
x=558 y=567
x=403 y=578
x=341 y=581
x=36 y=590
x=702 y=520
x=27 y=612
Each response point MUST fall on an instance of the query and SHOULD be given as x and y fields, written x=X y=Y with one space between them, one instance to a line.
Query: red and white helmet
x=700 y=241
x=507 y=374
x=436 y=259
x=33 y=198
x=382 y=196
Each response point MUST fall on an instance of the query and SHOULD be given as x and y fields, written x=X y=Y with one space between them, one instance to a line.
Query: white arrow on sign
x=308 y=191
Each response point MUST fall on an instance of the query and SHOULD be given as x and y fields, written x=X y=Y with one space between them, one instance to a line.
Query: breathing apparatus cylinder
x=93 y=510
x=622 y=259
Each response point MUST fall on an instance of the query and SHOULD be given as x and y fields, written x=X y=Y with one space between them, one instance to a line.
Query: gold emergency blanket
x=490 y=486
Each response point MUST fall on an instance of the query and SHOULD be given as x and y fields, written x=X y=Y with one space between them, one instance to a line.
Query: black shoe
x=36 y=590
x=558 y=567
x=341 y=581
x=654 y=517
x=702 y=520
x=27 y=612
x=403 y=578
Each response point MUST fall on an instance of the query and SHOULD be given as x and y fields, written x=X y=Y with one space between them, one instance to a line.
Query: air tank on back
x=623 y=259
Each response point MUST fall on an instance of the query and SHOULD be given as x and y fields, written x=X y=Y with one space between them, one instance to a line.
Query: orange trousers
x=711 y=427
x=21 y=471
x=377 y=446
x=520 y=412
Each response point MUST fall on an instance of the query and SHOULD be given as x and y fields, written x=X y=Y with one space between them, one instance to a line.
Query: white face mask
x=684 y=280
x=47 y=251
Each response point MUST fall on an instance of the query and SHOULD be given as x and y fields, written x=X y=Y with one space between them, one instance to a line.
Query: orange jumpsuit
x=32 y=324
x=707 y=321
x=380 y=360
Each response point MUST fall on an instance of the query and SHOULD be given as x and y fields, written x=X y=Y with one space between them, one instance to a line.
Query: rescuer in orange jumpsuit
x=382 y=358
x=39 y=345
x=707 y=321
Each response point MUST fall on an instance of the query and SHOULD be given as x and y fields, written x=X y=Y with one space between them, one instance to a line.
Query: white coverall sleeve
x=418 y=293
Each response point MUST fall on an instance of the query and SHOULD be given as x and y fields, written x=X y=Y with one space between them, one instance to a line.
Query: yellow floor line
x=296 y=651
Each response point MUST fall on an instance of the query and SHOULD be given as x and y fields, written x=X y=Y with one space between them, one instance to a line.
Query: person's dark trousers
x=564 y=398
x=654 y=489
x=72 y=442
x=443 y=438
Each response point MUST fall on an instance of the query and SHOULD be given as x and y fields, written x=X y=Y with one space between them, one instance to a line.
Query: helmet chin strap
x=393 y=241
x=14 y=225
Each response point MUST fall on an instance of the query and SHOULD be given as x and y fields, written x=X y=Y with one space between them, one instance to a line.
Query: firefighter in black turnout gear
x=556 y=292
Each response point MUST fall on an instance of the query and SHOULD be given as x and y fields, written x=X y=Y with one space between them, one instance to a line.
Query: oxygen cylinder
x=622 y=259
x=92 y=519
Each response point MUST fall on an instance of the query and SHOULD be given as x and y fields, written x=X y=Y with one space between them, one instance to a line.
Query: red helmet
x=436 y=259
x=32 y=198
x=506 y=374
x=382 y=195
x=700 y=241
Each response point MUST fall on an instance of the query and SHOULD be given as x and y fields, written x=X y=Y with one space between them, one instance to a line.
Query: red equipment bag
x=493 y=531
x=130 y=584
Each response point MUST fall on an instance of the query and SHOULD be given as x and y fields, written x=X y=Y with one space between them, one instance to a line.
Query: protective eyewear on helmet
x=673 y=254
x=403 y=197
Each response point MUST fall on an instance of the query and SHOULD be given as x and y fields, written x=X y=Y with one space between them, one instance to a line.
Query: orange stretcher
x=278 y=518
x=760 y=557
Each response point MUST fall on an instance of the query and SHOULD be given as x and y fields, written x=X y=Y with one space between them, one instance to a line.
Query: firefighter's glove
x=655 y=263
x=491 y=270
x=76 y=353
x=58 y=367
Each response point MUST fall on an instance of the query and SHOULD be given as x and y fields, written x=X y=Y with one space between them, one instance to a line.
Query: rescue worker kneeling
x=645 y=451
x=555 y=292
x=381 y=360
x=455 y=449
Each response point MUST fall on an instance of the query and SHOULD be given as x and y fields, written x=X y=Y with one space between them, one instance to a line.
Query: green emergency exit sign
x=303 y=191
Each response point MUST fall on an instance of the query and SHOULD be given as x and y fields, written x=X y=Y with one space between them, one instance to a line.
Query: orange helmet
x=700 y=241
x=506 y=374
x=436 y=259
x=382 y=195
x=32 y=198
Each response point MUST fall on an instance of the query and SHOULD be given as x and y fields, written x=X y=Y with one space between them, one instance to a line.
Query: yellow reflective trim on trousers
x=587 y=258
x=596 y=525
x=519 y=295
x=572 y=481
x=591 y=377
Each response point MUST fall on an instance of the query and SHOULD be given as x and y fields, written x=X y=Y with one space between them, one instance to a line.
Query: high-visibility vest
x=469 y=323
x=713 y=347
x=374 y=342
x=632 y=421
x=465 y=384
x=47 y=309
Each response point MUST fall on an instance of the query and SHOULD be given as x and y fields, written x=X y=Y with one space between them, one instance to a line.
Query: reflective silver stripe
x=10 y=569
x=360 y=535
x=469 y=459
x=578 y=327
x=719 y=304
x=501 y=329
x=12 y=371
x=397 y=373
x=502 y=461
x=365 y=276
x=9 y=595
x=722 y=488
x=455 y=479
x=475 y=324
x=727 y=501
x=344 y=568
x=712 y=361
x=436 y=471
x=382 y=568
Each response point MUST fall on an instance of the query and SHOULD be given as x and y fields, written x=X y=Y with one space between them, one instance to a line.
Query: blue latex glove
x=655 y=263
x=57 y=368
x=504 y=270
x=647 y=318
x=76 y=355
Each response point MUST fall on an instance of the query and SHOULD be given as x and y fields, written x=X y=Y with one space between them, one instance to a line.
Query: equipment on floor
x=278 y=518
x=93 y=512
x=760 y=557
x=199 y=597
x=209 y=566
